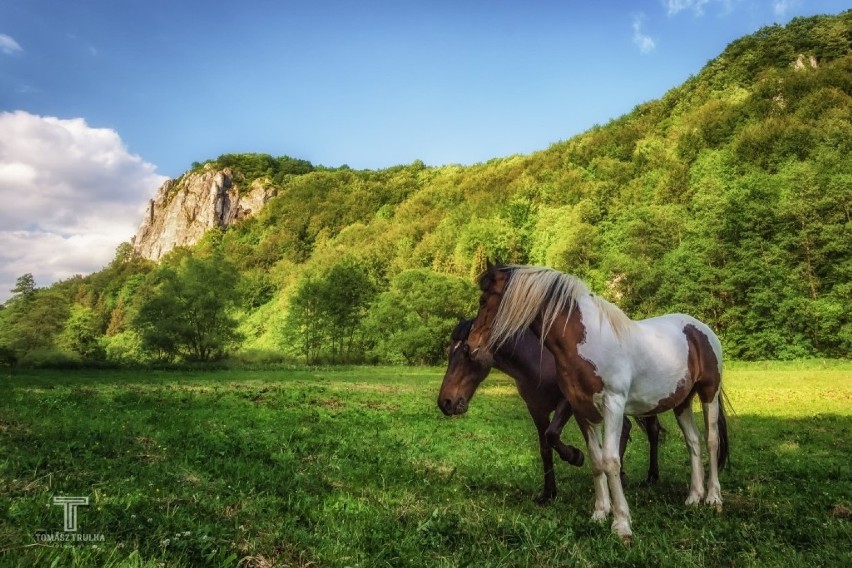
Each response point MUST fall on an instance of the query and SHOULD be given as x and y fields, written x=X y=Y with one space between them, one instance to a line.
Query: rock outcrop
x=799 y=64
x=184 y=209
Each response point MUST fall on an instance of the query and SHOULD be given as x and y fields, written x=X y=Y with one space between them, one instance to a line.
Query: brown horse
x=534 y=371
x=609 y=366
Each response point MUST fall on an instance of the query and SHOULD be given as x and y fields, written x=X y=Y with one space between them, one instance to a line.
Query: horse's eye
x=466 y=349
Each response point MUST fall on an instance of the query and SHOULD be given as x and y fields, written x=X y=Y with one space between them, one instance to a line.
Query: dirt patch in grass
x=841 y=512
x=332 y=403
x=151 y=451
x=383 y=406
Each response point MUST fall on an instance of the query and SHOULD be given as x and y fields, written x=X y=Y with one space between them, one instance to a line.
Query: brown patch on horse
x=579 y=377
x=703 y=364
x=702 y=375
x=680 y=394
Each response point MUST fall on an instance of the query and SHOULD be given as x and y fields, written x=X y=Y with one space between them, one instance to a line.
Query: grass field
x=357 y=467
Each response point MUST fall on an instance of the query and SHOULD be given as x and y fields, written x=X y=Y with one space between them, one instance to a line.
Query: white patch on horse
x=646 y=364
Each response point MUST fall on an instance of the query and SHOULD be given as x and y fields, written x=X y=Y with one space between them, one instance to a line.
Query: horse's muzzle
x=452 y=407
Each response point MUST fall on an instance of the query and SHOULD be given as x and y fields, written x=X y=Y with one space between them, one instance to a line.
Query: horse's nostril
x=446 y=405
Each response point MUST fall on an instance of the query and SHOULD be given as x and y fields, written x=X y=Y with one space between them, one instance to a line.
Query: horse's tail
x=722 y=423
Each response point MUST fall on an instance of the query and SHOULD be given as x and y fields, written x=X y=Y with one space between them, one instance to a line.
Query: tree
x=82 y=331
x=326 y=312
x=411 y=322
x=303 y=327
x=24 y=287
x=33 y=317
x=123 y=254
x=348 y=292
x=187 y=311
x=8 y=358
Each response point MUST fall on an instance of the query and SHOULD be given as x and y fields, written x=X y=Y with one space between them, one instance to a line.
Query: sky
x=102 y=100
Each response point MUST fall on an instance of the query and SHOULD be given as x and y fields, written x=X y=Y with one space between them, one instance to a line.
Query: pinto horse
x=609 y=366
x=534 y=372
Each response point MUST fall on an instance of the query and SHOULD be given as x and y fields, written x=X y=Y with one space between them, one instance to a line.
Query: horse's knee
x=596 y=465
x=611 y=465
x=552 y=437
x=712 y=445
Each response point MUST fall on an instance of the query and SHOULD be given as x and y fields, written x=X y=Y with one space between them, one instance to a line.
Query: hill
x=729 y=198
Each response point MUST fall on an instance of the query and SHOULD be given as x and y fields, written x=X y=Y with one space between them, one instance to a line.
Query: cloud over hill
x=71 y=193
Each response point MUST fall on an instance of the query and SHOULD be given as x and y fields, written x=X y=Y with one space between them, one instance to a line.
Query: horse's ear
x=488 y=265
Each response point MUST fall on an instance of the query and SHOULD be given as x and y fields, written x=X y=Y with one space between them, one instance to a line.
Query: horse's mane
x=534 y=291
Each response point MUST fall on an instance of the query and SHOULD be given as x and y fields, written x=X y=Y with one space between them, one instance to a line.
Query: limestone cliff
x=184 y=209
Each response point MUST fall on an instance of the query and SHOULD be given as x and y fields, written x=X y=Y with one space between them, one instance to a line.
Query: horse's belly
x=658 y=391
x=655 y=401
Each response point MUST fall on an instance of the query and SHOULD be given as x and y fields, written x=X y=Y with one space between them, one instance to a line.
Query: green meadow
x=357 y=467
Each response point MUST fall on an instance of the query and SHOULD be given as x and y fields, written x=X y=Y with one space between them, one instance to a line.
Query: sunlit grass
x=357 y=467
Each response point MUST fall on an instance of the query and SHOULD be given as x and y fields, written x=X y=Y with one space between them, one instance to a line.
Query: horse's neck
x=525 y=359
x=568 y=331
x=578 y=377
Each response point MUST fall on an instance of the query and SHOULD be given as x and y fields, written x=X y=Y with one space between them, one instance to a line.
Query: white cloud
x=9 y=46
x=781 y=7
x=725 y=7
x=675 y=6
x=644 y=42
x=70 y=193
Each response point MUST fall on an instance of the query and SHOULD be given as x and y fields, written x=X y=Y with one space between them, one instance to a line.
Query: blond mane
x=534 y=291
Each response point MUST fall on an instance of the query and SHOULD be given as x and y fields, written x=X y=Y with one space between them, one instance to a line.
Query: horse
x=609 y=366
x=534 y=372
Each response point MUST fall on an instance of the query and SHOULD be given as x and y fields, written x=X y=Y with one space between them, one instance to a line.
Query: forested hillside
x=729 y=198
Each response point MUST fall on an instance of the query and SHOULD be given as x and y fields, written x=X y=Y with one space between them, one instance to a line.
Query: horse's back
x=698 y=330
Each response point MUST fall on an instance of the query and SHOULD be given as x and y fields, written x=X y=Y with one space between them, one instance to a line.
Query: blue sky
x=155 y=85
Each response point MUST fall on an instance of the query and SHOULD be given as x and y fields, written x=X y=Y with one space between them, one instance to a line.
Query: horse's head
x=493 y=283
x=463 y=374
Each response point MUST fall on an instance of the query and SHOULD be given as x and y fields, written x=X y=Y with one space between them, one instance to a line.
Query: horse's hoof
x=622 y=529
x=715 y=503
x=545 y=498
x=570 y=454
x=693 y=499
x=578 y=458
x=599 y=516
x=650 y=480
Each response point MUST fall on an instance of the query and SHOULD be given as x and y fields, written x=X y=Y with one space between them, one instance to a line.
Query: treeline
x=189 y=308
x=729 y=198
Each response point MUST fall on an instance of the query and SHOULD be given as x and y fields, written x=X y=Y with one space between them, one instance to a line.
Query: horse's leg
x=593 y=435
x=560 y=417
x=651 y=425
x=622 y=447
x=686 y=421
x=541 y=418
x=711 y=426
x=613 y=412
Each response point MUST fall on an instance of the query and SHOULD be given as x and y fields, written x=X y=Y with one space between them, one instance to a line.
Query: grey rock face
x=183 y=210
